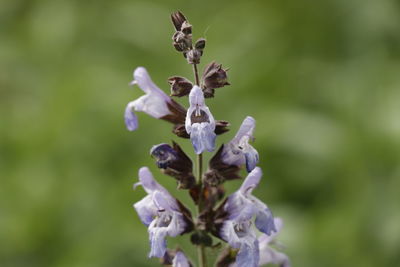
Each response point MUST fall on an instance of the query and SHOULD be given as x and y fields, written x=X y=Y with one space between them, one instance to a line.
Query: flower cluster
x=241 y=220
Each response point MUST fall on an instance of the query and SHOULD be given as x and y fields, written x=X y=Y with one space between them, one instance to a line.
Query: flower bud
x=200 y=45
x=214 y=76
x=178 y=19
x=180 y=86
x=193 y=56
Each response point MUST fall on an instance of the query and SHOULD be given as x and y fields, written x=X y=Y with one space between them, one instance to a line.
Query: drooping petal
x=145 y=209
x=249 y=254
x=158 y=244
x=131 y=120
x=270 y=255
x=180 y=260
x=202 y=137
x=251 y=156
x=265 y=221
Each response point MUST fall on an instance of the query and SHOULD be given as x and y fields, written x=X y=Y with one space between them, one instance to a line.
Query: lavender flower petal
x=249 y=255
x=180 y=260
x=238 y=151
x=131 y=120
x=200 y=123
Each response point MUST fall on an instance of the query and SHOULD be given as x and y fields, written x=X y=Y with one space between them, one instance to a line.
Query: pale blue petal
x=158 y=244
x=249 y=255
x=131 y=120
x=265 y=221
x=202 y=137
x=251 y=181
x=180 y=260
x=145 y=210
x=251 y=158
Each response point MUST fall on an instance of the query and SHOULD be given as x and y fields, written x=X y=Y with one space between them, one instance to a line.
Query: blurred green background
x=322 y=78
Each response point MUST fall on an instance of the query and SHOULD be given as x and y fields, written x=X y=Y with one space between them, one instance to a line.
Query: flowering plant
x=235 y=219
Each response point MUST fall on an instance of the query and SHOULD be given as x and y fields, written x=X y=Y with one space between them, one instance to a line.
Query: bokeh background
x=322 y=78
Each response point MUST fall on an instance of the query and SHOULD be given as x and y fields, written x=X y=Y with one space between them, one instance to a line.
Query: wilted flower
x=200 y=123
x=155 y=102
x=160 y=212
x=241 y=207
x=174 y=162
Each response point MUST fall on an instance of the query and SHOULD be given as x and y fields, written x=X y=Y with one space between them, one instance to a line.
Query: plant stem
x=200 y=248
x=196 y=74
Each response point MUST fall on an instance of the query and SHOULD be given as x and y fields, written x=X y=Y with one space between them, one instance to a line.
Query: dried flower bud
x=182 y=38
x=186 y=28
x=200 y=45
x=193 y=56
x=214 y=76
x=182 y=42
x=180 y=86
x=178 y=19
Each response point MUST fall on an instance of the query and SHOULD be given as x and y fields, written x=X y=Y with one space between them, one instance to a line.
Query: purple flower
x=155 y=102
x=238 y=151
x=200 y=123
x=269 y=254
x=241 y=208
x=160 y=212
x=180 y=260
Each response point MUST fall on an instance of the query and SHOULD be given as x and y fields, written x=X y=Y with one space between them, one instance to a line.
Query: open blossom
x=238 y=151
x=267 y=253
x=241 y=208
x=200 y=123
x=160 y=212
x=155 y=102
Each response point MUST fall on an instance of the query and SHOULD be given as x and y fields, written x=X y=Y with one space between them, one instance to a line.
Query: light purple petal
x=202 y=137
x=270 y=255
x=196 y=97
x=145 y=210
x=148 y=182
x=143 y=80
x=265 y=221
x=158 y=244
x=249 y=255
x=246 y=128
x=180 y=260
x=251 y=156
x=252 y=180
x=131 y=120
